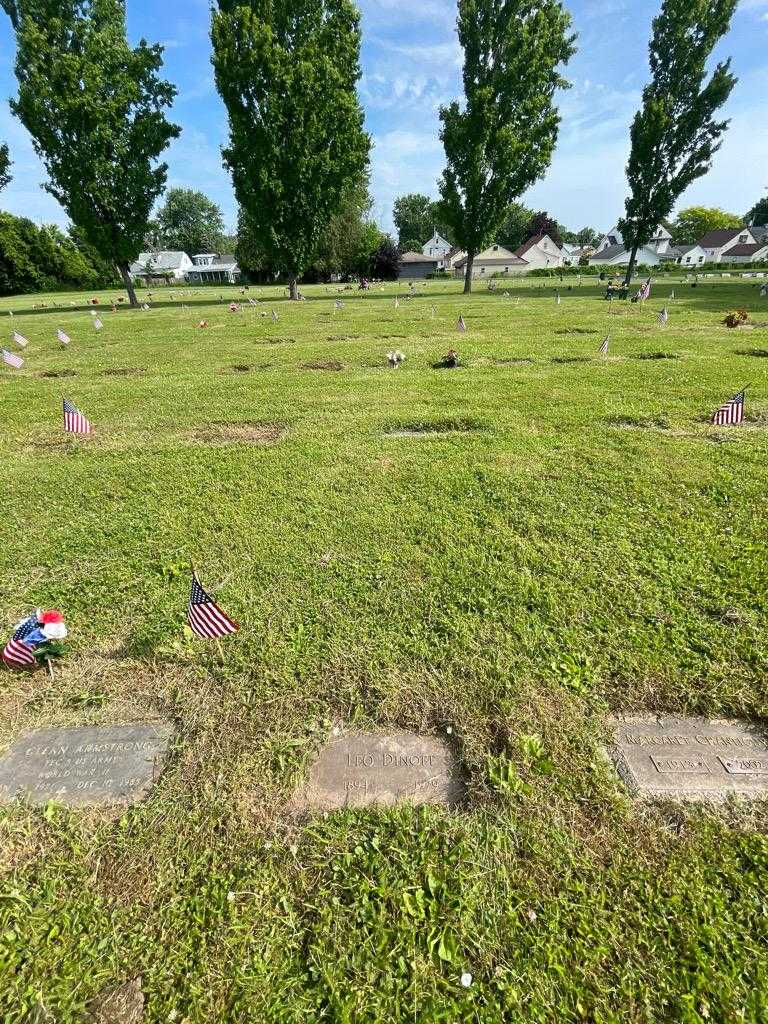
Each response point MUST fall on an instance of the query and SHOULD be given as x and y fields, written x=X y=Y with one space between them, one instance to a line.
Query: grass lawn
x=570 y=538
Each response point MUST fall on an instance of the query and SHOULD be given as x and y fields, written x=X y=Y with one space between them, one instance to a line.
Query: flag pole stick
x=49 y=667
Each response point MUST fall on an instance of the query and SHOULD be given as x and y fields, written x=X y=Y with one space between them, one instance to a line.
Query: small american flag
x=63 y=338
x=460 y=325
x=274 y=314
x=20 y=340
x=397 y=303
x=204 y=616
x=672 y=294
x=663 y=316
x=12 y=359
x=145 y=307
x=98 y=324
x=16 y=653
x=729 y=412
x=645 y=291
x=558 y=300
x=603 y=350
x=74 y=421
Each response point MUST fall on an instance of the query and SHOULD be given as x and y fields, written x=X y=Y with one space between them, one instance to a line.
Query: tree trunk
x=126 y=276
x=468 y=273
x=293 y=286
x=631 y=266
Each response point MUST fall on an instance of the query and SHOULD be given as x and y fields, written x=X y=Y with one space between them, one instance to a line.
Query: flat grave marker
x=690 y=758
x=366 y=769
x=96 y=764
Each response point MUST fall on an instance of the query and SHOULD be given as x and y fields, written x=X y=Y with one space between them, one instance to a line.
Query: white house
x=438 y=247
x=690 y=256
x=717 y=244
x=210 y=268
x=493 y=260
x=160 y=266
x=540 y=251
x=618 y=256
x=757 y=253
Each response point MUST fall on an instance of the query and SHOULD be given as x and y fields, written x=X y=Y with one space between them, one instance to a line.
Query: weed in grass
x=640 y=422
x=323 y=364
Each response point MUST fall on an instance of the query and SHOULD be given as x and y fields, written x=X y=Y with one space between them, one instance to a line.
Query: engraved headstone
x=363 y=769
x=101 y=764
x=691 y=758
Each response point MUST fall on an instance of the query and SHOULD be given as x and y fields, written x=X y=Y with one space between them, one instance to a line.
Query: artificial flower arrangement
x=36 y=640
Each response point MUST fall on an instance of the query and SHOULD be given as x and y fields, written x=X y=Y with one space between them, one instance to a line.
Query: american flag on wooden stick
x=460 y=325
x=603 y=350
x=645 y=291
x=204 y=616
x=63 y=338
x=730 y=412
x=98 y=324
x=663 y=316
x=16 y=653
x=12 y=359
x=74 y=421
x=20 y=340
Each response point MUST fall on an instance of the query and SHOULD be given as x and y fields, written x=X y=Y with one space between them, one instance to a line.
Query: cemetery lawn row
x=505 y=553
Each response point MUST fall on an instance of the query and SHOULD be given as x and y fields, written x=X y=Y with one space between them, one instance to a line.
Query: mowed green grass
x=584 y=544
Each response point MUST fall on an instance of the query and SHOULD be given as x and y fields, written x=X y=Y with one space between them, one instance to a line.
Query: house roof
x=610 y=253
x=760 y=233
x=714 y=239
x=745 y=250
x=164 y=260
x=219 y=263
x=417 y=257
x=533 y=240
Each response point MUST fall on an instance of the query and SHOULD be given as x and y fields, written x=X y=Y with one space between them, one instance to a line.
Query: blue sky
x=411 y=64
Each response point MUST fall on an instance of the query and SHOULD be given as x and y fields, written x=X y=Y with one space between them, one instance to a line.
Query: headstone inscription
x=364 y=769
x=101 y=764
x=690 y=758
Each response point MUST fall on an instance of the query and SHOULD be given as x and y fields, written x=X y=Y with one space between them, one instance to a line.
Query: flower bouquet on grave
x=36 y=640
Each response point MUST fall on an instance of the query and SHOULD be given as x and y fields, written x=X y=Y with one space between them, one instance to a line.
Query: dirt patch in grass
x=121 y=1005
x=760 y=353
x=123 y=371
x=239 y=433
x=576 y=330
x=513 y=362
x=323 y=364
x=639 y=422
x=58 y=373
x=245 y=367
x=657 y=355
x=343 y=337
x=571 y=359
x=444 y=426
x=278 y=341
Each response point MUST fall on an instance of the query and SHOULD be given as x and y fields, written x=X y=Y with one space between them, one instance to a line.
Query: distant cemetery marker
x=364 y=769
x=691 y=758
x=102 y=764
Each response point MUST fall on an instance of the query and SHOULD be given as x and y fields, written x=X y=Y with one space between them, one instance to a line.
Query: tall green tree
x=287 y=71
x=190 y=222
x=695 y=221
x=758 y=214
x=502 y=141
x=542 y=224
x=416 y=218
x=675 y=134
x=94 y=107
x=514 y=229
x=5 y=166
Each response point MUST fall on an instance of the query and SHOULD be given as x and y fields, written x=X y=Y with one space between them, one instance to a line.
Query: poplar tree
x=501 y=141
x=287 y=72
x=5 y=166
x=675 y=134
x=94 y=107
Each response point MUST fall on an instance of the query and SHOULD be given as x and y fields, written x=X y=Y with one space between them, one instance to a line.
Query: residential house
x=619 y=256
x=757 y=253
x=717 y=244
x=158 y=267
x=453 y=257
x=439 y=247
x=540 y=251
x=690 y=256
x=417 y=265
x=493 y=260
x=211 y=268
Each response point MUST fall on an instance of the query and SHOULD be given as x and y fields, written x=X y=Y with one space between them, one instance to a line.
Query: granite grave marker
x=364 y=769
x=98 y=764
x=691 y=758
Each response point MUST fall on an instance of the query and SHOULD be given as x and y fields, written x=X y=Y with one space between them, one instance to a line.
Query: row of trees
x=298 y=153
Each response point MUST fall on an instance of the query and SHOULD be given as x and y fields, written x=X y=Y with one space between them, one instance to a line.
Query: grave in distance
x=364 y=769
x=101 y=764
x=690 y=758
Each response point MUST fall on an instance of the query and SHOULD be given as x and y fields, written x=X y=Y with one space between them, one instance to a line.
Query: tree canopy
x=502 y=139
x=695 y=221
x=542 y=224
x=5 y=166
x=675 y=134
x=94 y=107
x=416 y=218
x=758 y=214
x=287 y=72
x=190 y=222
x=514 y=228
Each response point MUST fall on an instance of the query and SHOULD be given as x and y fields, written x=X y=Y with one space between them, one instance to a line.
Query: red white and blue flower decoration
x=35 y=638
